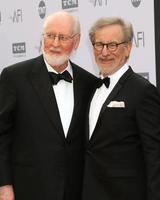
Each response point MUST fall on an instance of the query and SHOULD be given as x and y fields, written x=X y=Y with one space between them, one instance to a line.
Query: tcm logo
x=99 y=2
x=19 y=49
x=136 y=3
x=69 y=4
x=17 y=16
x=139 y=39
x=42 y=9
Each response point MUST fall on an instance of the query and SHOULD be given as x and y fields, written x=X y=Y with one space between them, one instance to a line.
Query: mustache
x=105 y=58
x=55 y=49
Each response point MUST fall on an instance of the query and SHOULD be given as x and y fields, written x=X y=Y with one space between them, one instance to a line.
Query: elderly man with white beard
x=43 y=102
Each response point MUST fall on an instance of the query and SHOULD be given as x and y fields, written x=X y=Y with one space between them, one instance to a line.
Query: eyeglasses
x=98 y=46
x=61 y=38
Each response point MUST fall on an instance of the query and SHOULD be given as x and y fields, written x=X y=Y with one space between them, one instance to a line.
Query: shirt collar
x=120 y=72
x=117 y=75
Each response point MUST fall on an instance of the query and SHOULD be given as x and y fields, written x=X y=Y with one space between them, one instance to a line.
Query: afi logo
x=19 y=48
x=139 y=39
x=99 y=2
x=69 y=4
x=17 y=16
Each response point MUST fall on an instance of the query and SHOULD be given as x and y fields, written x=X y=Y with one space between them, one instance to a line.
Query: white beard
x=56 y=60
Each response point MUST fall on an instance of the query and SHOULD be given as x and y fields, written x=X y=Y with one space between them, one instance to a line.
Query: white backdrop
x=21 y=26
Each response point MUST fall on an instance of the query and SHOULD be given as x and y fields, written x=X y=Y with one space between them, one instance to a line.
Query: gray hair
x=108 y=21
x=76 y=23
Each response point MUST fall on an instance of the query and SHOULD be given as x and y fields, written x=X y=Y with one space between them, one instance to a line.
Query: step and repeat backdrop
x=21 y=27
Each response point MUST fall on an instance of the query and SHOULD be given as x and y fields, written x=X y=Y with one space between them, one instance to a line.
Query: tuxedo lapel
x=116 y=90
x=112 y=95
x=87 y=118
x=77 y=90
x=42 y=86
x=104 y=107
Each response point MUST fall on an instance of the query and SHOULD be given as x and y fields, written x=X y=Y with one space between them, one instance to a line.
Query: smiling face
x=110 y=61
x=55 y=49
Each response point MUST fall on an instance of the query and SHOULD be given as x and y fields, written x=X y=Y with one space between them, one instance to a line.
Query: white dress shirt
x=64 y=97
x=100 y=96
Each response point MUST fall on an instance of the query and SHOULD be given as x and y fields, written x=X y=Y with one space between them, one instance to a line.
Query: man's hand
x=6 y=192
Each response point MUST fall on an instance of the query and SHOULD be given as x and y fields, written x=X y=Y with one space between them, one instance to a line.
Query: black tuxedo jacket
x=35 y=156
x=123 y=153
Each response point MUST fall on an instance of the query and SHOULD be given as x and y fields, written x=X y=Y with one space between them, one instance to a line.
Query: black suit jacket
x=123 y=153
x=35 y=156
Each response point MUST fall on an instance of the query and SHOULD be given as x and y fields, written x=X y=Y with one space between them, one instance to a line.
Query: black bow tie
x=55 y=78
x=106 y=81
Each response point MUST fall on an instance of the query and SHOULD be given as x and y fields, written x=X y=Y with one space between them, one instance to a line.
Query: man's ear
x=76 y=41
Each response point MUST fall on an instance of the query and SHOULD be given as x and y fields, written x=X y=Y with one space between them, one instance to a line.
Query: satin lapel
x=42 y=86
x=87 y=118
x=116 y=89
x=77 y=90
x=104 y=107
x=112 y=95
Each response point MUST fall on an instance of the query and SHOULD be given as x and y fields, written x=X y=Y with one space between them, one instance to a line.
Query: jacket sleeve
x=7 y=106
x=148 y=119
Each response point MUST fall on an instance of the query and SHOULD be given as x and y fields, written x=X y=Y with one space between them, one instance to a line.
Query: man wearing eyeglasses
x=43 y=103
x=122 y=159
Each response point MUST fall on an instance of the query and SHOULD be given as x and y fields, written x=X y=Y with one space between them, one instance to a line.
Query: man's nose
x=56 y=41
x=105 y=50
